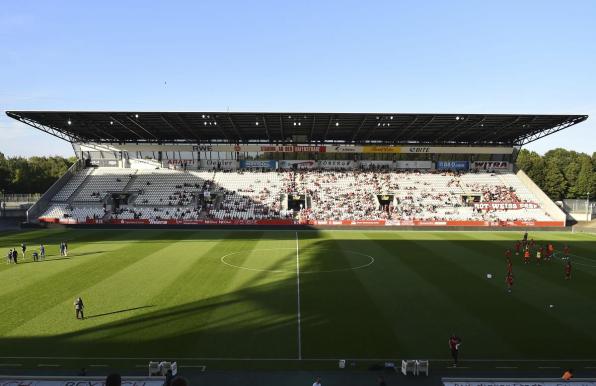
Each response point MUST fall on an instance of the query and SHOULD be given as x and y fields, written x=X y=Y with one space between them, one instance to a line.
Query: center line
x=298 y=297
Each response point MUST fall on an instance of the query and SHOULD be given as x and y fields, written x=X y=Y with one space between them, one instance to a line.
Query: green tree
x=555 y=184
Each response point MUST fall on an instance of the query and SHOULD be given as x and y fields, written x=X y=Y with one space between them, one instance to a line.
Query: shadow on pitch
x=118 y=312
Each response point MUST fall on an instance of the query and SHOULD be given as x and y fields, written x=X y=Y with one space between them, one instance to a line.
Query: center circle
x=363 y=260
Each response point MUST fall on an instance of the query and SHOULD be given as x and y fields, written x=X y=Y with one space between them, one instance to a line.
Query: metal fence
x=578 y=206
x=20 y=197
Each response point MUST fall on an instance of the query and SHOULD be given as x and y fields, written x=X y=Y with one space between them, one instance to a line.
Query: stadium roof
x=295 y=127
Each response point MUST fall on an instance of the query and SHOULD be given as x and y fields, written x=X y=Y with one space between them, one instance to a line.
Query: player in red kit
x=517 y=247
x=568 y=270
x=454 y=342
x=509 y=281
x=509 y=266
x=527 y=256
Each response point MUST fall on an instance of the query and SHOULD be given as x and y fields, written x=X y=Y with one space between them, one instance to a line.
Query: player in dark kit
x=509 y=281
x=78 y=304
x=509 y=266
x=24 y=249
x=568 y=270
x=566 y=251
x=454 y=342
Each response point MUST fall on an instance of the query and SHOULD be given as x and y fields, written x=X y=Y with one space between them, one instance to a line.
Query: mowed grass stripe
x=39 y=296
x=15 y=277
x=425 y=312
x=110 y=299
x=503 y=311
x=338 y=316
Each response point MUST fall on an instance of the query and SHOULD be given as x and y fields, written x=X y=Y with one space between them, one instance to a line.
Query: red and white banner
x=505 y=205
x=286 y=222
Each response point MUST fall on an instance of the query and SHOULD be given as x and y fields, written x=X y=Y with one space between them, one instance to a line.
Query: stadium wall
x=547 y=204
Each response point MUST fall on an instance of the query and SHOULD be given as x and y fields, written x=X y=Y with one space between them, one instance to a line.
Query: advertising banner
x=299 y=164
x=491 y=165
x=505 y=205
x=227 y=164
x=381 y=149
x=254 y=164
x=301 y=148
x=78 y=381
x=453 y=165
x=337 y=164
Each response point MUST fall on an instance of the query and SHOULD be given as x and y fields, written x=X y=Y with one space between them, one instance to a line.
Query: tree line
x=560 y=173
x=31 y=175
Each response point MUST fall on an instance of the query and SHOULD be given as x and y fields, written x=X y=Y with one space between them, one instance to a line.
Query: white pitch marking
x=548 y=367
x=98 y=365
x=298 y=298
x=505 y=367
x=10 y=365
x=202 y=367
x=47 y=365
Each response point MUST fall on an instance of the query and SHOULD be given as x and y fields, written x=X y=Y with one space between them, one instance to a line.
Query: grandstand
x=296 y=169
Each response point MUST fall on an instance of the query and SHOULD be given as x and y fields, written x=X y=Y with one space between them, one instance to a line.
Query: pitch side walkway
x=328 y=378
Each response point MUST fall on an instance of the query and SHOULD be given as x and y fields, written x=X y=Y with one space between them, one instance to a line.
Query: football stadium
x=297 y=241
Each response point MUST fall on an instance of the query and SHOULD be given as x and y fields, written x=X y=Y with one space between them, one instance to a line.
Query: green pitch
x=282 y=295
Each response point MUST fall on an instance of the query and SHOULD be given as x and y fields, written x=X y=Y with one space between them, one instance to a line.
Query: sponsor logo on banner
x=389 y=164
x=341 y=164
x=292 y=149
x=78 y=381
x=490 y=165
x=416 y=149
x=300 y=164
x=505 y=205
x=381 y=149
x=345 y=149
x=519 y=382
x=453 y=165
x=219 y=163
x=202 y=148
x=250 y=164
x=179 y=162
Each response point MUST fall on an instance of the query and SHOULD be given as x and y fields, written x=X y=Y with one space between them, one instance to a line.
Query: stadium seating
x=334 y=195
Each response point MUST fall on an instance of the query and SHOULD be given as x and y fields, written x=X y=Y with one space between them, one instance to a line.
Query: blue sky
x=374 y=56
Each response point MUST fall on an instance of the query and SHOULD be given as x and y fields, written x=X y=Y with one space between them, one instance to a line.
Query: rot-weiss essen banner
x=505 y=205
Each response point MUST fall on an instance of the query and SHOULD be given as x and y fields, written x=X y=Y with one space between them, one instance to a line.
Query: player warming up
x=79 y=306
x=454 y=343
x=509 y=282
x=527 y=256
x=568 y=270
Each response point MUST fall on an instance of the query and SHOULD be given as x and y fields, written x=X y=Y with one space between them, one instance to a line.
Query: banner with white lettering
x=78 y=381
x=505 y=205
x=453 y=165
x=520 y=382
x=255 y=164
x=299 y=164
x=336 y=164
